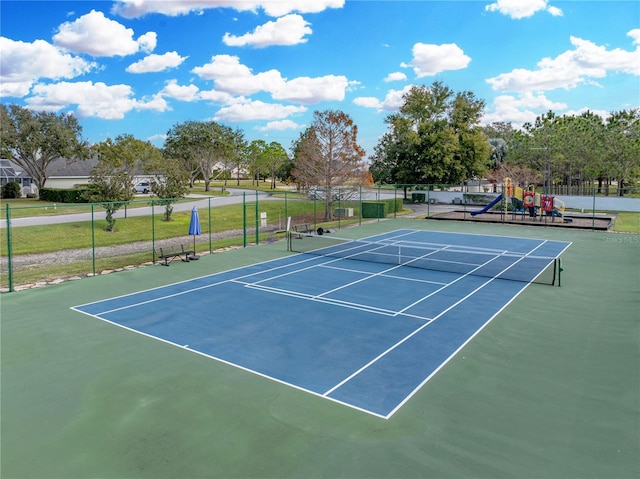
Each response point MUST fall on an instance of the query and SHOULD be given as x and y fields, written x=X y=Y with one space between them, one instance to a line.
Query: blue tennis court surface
x=358 y=330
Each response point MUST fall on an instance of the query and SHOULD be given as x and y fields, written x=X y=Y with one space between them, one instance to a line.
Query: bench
x=302 y=228
x=168 y=254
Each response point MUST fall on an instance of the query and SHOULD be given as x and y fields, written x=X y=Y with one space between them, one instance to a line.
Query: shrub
x=11 y=190
x=61 y=195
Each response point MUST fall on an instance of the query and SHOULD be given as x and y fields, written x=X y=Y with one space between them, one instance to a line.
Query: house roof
x=61 y=168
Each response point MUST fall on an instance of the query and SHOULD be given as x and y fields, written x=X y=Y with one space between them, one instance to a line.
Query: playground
x=519 y=206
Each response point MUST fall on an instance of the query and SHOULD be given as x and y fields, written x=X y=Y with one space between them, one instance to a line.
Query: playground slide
x=497 y=200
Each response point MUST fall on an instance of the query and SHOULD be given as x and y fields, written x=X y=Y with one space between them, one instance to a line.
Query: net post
x=559 y=272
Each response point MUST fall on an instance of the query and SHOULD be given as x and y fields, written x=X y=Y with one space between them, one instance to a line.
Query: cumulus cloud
x=520 y=109
x=312 y=90
x=518 y=9
x=108 y=102
x=585 y=63
x=256 y=110
x=392 y=101
x=429 y=59
x=280 y=125
x=395 y=76
x=231 y=76
x=156 y=63
x=96 y=35
x=22 y=64
x=287 y=30
x=368 y=102
x=274 y=8
x=180 y=92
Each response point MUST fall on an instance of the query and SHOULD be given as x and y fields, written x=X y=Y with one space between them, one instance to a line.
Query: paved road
x=200 y=201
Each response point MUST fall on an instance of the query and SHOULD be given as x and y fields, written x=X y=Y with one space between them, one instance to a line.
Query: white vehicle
x=143 y=187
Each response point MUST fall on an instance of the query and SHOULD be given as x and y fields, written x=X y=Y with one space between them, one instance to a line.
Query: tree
x=328 y=155
x=434 y=138
x=240 y=154
x=571 y=150
x=499 y=150
x=205 y=144
x=34 y=139
x=622 y=147
x=112 y=177
x=168 y=181
x=266 y=159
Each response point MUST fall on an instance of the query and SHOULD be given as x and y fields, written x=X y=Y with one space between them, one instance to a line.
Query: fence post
x=210 y=232
x=257 y=220
x=153 y=232
x=9 y=251
x=360 y=214
x=93 y=240
x=593 y=211
x=244 y=219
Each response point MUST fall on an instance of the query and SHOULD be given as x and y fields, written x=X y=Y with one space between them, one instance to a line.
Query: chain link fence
x=56 y=242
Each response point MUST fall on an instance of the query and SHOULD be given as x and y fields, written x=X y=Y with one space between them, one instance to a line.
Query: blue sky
x=141 y=66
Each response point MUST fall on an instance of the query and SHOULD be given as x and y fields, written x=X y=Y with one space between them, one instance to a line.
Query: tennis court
x=363 y=323
x=548 y=388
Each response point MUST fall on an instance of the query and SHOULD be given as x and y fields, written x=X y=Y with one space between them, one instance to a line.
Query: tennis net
x=461 y=260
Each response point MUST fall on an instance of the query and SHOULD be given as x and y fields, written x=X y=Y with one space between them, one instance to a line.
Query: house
x=9 y=172
x=60 y=174
x=68 y=175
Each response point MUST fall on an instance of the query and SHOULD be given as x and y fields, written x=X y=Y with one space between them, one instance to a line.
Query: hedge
x=61 y=195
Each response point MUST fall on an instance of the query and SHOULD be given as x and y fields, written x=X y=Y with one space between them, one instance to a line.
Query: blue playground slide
x=497 y=200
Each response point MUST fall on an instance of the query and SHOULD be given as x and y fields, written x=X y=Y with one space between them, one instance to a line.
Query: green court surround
x=550 y=388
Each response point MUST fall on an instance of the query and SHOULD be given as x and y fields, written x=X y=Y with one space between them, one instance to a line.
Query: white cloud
x=99 y=36
x=180 y=92
x=278 y=8
x=522 y=109
x=635 y=35
x=287 y=30
x=555 y=11
x=22 y=64
x=231 y=76
x=280 y=125
x=392 y=101
x=156 y=63
x=256 y=110
x=93 y=100
x=312 y=90
x=395 y=76
x=429 y=60
x=274 y=8
x=155 y=103
x=219 y=97
x=583 y=64
x=518 y=9
x=108 y=102
x=368 y=102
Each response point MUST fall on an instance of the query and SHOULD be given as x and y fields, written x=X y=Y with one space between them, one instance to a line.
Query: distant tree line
x=326 y=155
x=436 y=138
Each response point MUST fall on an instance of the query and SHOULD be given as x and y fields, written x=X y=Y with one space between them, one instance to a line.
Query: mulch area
x=572 y=220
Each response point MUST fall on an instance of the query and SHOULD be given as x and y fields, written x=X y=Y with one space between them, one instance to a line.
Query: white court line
x=336 y=302
x=406 y=338
x=372 y=275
